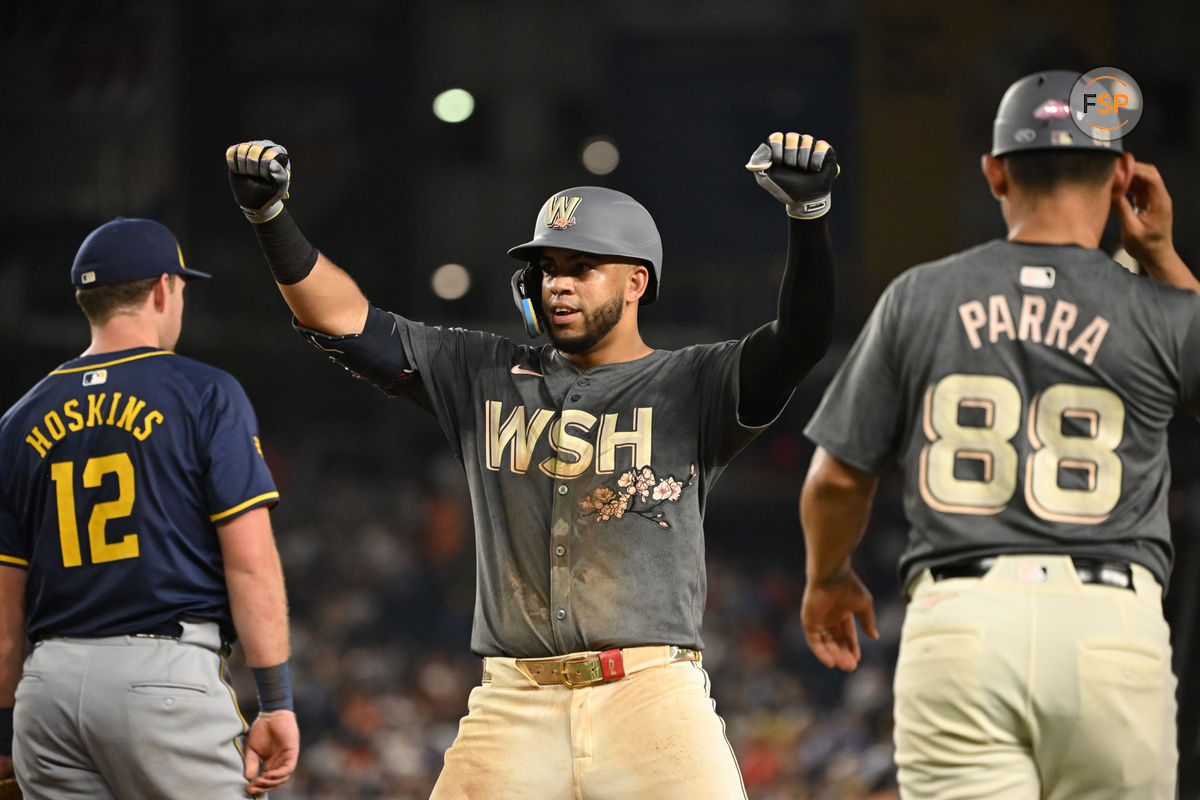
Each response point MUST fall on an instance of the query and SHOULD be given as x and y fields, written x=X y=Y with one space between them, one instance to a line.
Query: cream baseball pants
x=652 y=734
x=1027 y=683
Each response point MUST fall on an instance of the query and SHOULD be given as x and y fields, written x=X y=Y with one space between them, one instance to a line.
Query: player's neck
x=122 y=332
x=610 y=350
x=1061 y=217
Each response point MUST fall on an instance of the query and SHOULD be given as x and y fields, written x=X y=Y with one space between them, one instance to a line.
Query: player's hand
x=827 y=613
x=1146 y=228
x=797 y=171
x=272 y=748
x=1146 y=221
x=259 y=174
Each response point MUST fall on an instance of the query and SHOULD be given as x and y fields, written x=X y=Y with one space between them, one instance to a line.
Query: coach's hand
x=797 y=171
x=1146 y=228
x=1146 y=221
x=827 y=613
x=259 y=174
x=272 y=749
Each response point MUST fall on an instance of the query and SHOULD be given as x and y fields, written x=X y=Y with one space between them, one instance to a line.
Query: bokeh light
x=600 y=155
x=450 y=281
x=454 y=105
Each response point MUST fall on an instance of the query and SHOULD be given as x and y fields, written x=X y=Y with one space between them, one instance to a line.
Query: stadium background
x=125 y=108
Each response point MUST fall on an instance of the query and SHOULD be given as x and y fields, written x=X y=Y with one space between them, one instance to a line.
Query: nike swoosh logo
x=523 y=371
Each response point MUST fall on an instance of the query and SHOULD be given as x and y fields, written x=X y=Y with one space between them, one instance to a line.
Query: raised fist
x=796 y=171
x=259 y=174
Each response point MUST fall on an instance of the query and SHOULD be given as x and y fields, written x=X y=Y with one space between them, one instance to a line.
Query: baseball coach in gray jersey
x=589 y=461
x=1024 y=386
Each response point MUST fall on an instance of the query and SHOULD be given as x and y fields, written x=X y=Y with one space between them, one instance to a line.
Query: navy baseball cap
x=128 y=250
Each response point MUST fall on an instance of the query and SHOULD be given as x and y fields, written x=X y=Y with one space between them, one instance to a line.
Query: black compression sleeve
x=289 y=254
x=776 y=356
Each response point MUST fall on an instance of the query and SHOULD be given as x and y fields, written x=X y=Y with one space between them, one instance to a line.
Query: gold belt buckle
x=596 y=673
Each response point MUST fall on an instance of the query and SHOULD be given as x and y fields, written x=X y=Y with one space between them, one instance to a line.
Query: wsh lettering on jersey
x=101 y=409
x=1032 y=324
x=578 y=439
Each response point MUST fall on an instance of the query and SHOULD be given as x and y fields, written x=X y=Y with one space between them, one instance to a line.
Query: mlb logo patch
x=95 y=377
x=87 y=277
x=1037 y=277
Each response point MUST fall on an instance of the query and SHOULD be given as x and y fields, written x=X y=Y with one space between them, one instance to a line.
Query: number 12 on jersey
x=63 y=475
x=993 y=405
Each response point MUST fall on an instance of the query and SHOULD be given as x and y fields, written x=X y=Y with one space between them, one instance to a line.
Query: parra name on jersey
x=89 y=412
x=1032 y=324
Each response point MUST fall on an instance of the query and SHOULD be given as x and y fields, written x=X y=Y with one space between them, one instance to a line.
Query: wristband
x=6 y=732
x=812 y=208
x=274 y=686
x=289 y=254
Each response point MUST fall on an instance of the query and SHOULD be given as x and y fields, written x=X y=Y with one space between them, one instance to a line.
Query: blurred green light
x=453 y=105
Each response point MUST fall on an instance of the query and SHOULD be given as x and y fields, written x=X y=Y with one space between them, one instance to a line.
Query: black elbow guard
x=376 y=355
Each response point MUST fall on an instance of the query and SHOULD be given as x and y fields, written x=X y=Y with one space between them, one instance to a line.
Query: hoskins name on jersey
x=1032 y=323
x=92 y=411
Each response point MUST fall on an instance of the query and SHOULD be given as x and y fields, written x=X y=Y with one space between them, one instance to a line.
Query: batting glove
x=797 y=172
x=259 y=174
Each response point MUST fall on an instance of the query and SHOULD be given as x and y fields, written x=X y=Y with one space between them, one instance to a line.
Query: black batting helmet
x=1035 y=114
x=590 y=219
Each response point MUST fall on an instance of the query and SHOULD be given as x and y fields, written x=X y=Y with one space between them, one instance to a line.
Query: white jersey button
x=562 y=489
x=560 y=550
x=561 y=614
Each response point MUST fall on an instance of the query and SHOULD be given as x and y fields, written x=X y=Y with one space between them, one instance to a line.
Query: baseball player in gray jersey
x=1024 y=386
x=589 y=461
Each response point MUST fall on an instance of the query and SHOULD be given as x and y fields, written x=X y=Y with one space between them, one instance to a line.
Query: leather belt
x=1099 y=571
x=586 y=669
x=172 y=632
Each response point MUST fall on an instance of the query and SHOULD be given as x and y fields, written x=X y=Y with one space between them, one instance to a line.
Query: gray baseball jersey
x=1025 y=390
x=588 y=488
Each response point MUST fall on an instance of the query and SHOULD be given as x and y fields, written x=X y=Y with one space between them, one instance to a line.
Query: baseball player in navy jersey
x=135 y=547
x=589 y=460
x=1024 y=386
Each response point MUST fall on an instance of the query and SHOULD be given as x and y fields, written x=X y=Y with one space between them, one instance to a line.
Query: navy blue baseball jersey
x=118 y=468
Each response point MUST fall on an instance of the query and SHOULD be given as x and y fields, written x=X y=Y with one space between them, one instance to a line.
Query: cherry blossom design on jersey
x=636 y=491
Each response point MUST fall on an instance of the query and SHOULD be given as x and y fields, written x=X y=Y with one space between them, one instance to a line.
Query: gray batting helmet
x=590 y=219
x=1035 y=114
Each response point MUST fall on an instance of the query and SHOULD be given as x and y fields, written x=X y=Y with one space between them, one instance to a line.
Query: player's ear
x=160 y=292
x=1122 y=175
x=993 y=171
x=637 y=281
